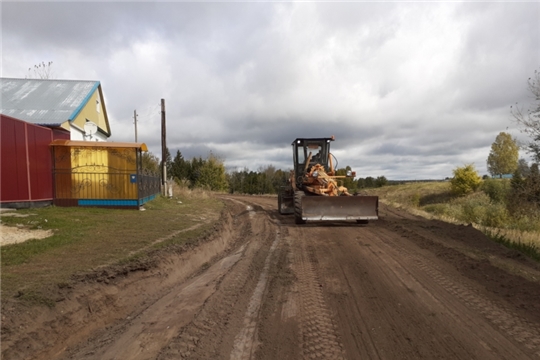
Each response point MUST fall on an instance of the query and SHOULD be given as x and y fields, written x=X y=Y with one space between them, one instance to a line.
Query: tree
x=503 y=157
x=179 y=167
x=150 y=163
x=266 y=175
x=280 y=179
x=195 y=170
x=211 y=174
x=530 y=121
x=369 y=182
x=466 y=180
x=524 y=198
x=347 y=182
x=41 y=71
x=523 y=167
x=381 y=181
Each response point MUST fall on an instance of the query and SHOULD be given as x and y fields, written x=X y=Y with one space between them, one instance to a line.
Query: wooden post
x=163 y=149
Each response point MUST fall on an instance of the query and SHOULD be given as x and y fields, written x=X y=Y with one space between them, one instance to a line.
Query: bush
x=437 y=209
x=415 y=199
x=496 y=189
x=478 y=208
x=526 y=222
x=473 y=210
x=524 y=195
x=496 y=216
x=465 y=181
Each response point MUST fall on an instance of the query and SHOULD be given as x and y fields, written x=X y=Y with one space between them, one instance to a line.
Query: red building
x=26 y=177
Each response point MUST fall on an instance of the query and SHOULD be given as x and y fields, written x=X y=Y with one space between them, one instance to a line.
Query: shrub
x=415 y=199
x=474 y=208
x=496 y=189
x=496 y=215
x=526 y=222
x=478 y=208
x=465 y=181
x=437 y=209
x=524 y=195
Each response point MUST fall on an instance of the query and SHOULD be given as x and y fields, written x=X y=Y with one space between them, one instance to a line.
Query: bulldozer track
x=498 y=314
x=318 y=334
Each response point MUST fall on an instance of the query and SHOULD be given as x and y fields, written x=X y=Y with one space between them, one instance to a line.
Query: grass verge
x=90 y=238
x=529 y=249
x=433 y=200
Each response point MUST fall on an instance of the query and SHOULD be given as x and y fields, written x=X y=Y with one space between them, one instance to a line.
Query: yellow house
x=75 y=105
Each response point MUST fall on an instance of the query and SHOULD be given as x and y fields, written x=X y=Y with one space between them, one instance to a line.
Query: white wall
x=77 y=134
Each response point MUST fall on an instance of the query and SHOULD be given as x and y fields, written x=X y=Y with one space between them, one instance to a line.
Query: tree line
x=210 y=173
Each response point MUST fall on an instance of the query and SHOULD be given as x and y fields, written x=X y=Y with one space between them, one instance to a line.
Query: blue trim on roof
x=84 y=102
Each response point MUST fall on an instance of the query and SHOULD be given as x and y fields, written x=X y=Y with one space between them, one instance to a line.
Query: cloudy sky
x=410 y=90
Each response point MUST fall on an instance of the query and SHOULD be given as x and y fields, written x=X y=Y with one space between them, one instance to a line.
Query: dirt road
x=264 y=288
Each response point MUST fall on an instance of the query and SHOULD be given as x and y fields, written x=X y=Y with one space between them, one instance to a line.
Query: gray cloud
x=409 y=90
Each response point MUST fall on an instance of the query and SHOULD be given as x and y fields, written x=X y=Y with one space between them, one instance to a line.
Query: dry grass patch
x=434 y=200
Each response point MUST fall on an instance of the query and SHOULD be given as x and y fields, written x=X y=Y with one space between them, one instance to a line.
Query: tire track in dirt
x=187 y=344
x=503 y=318
x=143 y=334
x=318 y=334
x=209 y=321
x=245 y=343
x=211 y=334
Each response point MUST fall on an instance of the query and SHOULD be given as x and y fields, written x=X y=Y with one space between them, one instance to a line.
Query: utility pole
x=135 y=122
x=163 y=148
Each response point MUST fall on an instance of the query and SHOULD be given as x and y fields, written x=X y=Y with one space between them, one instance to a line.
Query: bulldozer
x=313 y=192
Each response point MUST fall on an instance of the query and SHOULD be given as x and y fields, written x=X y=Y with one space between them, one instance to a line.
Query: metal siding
x=60 y=134
x=13 y=161
x=26 y=163
x=92 y=202
x=40 y=163
x=146 y=199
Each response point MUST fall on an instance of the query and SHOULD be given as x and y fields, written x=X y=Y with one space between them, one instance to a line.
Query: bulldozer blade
x=333 y=208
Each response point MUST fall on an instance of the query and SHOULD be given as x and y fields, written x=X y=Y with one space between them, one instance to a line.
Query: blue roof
x=44 y=101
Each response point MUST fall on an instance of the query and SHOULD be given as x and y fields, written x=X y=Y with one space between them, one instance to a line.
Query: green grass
x=88 y=238
x=530 y=249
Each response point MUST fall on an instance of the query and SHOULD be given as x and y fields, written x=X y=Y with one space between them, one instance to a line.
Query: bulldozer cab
x=312 y=150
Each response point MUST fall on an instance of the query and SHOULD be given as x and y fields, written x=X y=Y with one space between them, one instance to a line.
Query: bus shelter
x=101 y=174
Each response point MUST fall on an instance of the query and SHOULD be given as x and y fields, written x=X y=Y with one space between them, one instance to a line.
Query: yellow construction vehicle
x=313 y=192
